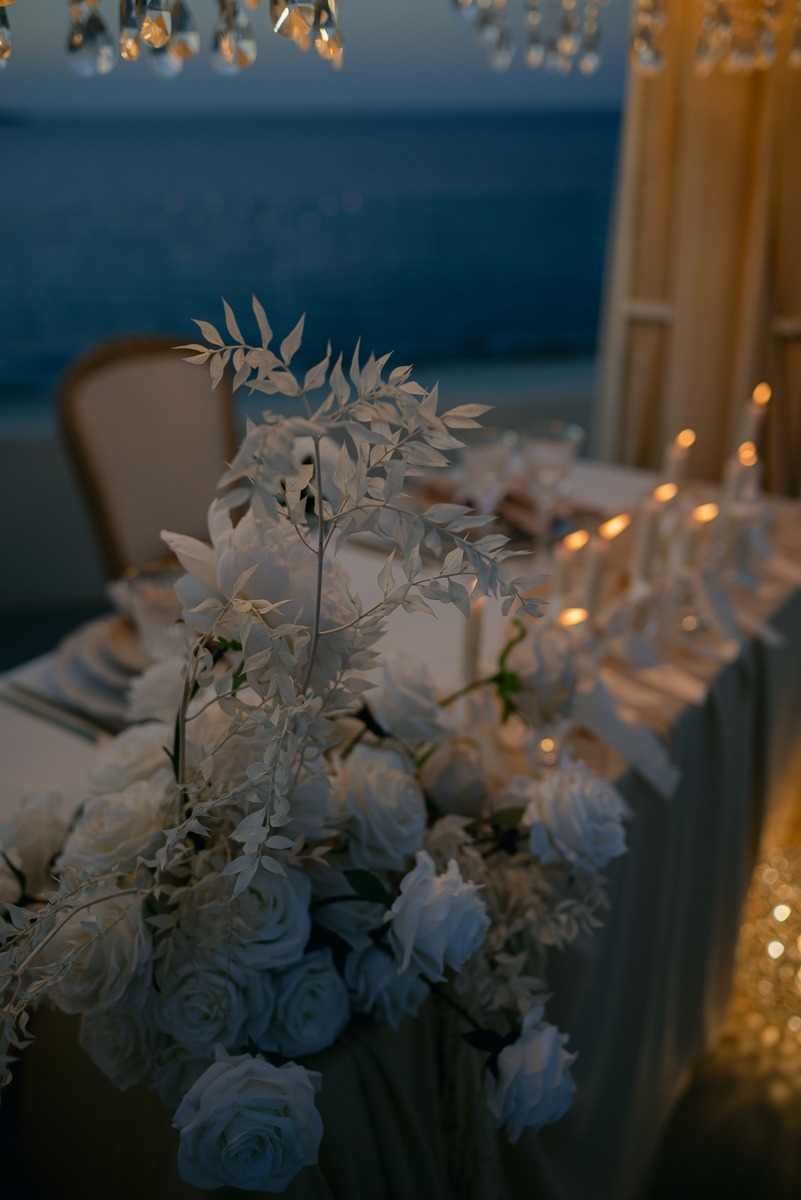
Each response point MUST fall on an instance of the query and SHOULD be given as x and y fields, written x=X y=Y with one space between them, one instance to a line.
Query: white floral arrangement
x=297 y=829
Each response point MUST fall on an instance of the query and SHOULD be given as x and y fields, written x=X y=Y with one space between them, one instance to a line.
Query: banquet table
x=640 y=1001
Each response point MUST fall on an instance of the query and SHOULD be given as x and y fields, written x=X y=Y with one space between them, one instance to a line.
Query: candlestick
x=646 y=538
x=473 y=638
x=596 y=554
x=674 y=462
x=564 y=557
x=754 y=414
x=686 y=545
x=741 y=474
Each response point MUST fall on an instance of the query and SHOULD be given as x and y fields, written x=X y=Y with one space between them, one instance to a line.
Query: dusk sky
x=407 y=54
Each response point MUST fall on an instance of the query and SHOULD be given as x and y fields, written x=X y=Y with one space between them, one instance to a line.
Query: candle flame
x=705 y=513
x=665 y=492
x=569 y=617
x=747 y=454
x=615 y=525
x=685 y=439
x=761 y=394
x=576 y=540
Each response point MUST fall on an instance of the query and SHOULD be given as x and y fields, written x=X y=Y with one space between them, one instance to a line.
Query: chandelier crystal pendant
x=737 y=37
x=556 y=34
x=5 y=36
x=168 y=34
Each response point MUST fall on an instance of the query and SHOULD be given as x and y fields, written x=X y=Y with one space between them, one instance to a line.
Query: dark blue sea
x=442 y=237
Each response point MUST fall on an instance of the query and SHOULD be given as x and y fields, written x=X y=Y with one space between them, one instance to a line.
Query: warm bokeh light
x=570 y=617
x=685 y=439
x=576 y=541
x=547 y=745
x=747 y=454
x=705 y=513
x=665 y=492
x=761 y=394
x=614 y=526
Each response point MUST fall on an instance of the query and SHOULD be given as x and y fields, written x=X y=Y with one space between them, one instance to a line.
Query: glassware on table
x=487 y=466
x=148 y=594
x=548 y=453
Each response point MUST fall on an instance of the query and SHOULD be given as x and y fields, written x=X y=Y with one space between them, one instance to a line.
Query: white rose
x=384 y=808
x=311 y=1009
x=437 y=920
x=405 y=702
x=31 y=841
x=267 y=926
x=453 y=777
x=284 y=571
x=155 y=695
x=547 y=666
x=120 y=1044
x=534 y=1086
x=112 y=952
x=248 y=1124
x=377 y=988
x=137 y=753
x=207 y=1000
x=575 y=816
x=113 y=831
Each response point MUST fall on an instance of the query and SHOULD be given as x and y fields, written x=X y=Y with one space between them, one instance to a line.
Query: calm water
x=440 y=237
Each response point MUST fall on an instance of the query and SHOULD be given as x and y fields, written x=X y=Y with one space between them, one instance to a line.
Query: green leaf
x=506 y=819
x=369 y=887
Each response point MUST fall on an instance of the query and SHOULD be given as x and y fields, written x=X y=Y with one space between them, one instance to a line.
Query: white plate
x=89 y=646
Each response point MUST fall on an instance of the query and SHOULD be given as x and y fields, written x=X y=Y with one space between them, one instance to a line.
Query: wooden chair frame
x=111 y=353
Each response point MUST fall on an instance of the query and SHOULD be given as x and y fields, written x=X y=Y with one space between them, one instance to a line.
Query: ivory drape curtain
x=703 y=294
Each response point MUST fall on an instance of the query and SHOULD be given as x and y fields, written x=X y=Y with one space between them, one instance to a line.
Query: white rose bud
x=312 y=1007
x=112 y=952
x=437 y=921
x=575 y=816
x=534 y=1086
x=384 y=808
x=405 y=702
x=453 y=776
x=136 y=753
x=207 y=1001
x=249 y=1125
x=113 y=831
x=546 y=662
x=155 y=695
x=378 y=989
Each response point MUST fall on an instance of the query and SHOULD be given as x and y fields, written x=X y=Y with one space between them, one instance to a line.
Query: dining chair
x=149 y=439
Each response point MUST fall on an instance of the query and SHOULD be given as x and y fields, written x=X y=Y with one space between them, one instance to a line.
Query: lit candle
x=674 y=462
x=564 y=556
x=685 y=547
x=754 y=414
x=473 y=637
x=646 y=533
x=741 y=474
x=570 y=618
x=596 y=554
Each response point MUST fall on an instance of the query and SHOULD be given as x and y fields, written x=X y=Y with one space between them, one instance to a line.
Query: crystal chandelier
x=739 y=36
x=736 y=36
x=166 y=33
x=557 y=34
